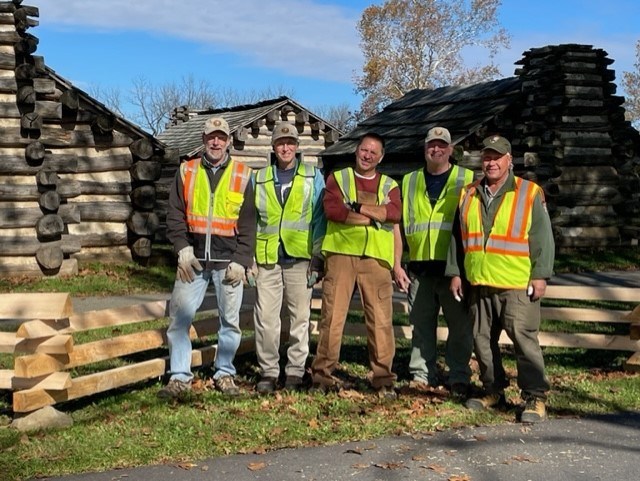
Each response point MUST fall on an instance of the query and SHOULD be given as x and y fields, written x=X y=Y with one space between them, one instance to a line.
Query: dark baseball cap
x=497 y=143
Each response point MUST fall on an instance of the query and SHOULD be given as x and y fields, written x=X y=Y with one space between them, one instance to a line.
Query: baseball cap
x=438 y=133
x=216 y=124
x=497 y=143
x=284 y=129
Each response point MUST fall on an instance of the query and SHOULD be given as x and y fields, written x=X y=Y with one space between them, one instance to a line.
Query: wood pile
x=567 y=131
x=76 y=182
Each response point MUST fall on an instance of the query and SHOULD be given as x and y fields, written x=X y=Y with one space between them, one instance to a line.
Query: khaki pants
x=510 y=309
x=376 y=290
x=277 y=285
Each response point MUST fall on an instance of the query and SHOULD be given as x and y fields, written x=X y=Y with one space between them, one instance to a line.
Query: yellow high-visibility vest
x=360 y=240
x=289 y=224
x=217 y=213
x=502 y=261
x=428 y=228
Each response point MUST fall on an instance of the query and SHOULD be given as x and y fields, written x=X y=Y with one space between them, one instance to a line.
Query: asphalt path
x=603 y=448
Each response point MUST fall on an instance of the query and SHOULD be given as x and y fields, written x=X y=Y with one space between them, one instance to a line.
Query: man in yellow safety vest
x=212 y=225
x=291 y=226
x=506 y=241
x=429 y=203
x=361 y=206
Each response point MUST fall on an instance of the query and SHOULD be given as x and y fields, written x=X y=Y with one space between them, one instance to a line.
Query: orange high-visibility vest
x=502 y=260
x=214 y=213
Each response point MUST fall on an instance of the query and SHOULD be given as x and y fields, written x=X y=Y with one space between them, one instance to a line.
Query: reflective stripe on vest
x=290 y=223
x=216 y=213
x=428 y=228
x=360 y=240
x=503 y=260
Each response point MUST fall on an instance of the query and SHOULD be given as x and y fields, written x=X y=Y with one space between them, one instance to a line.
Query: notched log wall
x=578 y=146
x=77 y=183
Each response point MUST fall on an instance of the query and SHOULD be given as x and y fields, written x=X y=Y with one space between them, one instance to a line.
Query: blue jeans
x=186 y=298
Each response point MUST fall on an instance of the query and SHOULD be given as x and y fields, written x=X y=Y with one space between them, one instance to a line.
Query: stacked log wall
x=76 y=185
x=571 y=144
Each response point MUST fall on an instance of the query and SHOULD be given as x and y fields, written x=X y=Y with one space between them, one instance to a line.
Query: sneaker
x=387 y=392
x=293 y=383
x=226 y=386
x=175 y=389
x=459 y=390
x=534 y=411
x=266 y=385
x=485 y=402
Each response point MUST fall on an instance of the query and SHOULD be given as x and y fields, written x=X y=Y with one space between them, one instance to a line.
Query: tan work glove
x=187 y=264
x=234 y=274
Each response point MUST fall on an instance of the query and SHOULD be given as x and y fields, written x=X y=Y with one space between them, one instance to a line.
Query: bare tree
x=110 y=96
x=341 y=116
x=153 y=103
x=150 y=105
x=631 y=85
x=409 y=44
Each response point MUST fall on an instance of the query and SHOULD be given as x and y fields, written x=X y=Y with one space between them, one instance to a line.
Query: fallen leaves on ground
x=459 y=477
x=390 y=465
x=256 y=466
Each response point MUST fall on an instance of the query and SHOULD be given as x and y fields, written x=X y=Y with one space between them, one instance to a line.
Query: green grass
x=131 y=427
x=594 y=260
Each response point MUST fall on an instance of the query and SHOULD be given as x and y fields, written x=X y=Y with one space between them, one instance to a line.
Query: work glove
x=187 y=264
x=251 y=275
x=234 y=274
x=315 y=272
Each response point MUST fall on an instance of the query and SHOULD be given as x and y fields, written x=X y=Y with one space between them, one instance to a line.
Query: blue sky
x=308 y=47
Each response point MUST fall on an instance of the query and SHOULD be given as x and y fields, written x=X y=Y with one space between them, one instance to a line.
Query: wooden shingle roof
x=187 y=136
x=405 y=122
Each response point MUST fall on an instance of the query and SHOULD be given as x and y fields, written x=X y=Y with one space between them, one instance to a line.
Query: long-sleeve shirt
x=541 y=244
x=336 y=210
x=239 y=248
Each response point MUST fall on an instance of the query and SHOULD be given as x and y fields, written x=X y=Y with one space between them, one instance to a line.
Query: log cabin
x=567 y=128
x=77 y=181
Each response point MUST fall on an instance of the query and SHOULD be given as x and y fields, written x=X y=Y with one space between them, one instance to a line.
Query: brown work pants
x=376 y=290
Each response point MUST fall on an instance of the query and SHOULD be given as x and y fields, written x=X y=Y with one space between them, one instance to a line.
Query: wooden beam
x=40 y=364
x=118 y=316
x=56 y=381
x=61 y=344
x=581 y=293
x=634 y=315
x=551 y=339
x=8 y=342
x=6 y=376
x=583 y=314
x=633 y=363
x=35 y=306
x=31 y=399
x=37 y=329
x=634 y=331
